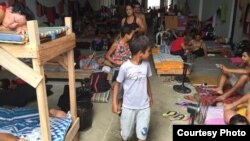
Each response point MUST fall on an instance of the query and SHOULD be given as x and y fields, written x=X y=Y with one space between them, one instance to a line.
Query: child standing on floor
x=137 y=98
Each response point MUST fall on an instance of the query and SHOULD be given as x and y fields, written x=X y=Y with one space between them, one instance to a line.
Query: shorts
x=115 y=74
x=132 y=117
x=242 y=111
x=233 y=79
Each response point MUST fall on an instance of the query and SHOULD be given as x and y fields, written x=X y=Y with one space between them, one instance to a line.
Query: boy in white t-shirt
x=137 y=98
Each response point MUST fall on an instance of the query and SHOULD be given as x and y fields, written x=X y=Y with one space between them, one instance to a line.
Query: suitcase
x=86 y=117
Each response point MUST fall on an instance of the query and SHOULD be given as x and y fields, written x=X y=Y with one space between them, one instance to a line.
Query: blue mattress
x=44 y=32
x=24 y=123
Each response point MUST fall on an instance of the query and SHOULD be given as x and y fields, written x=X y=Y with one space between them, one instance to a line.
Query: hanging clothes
x=61 y=6
x=39 y=11
x=223 y=12
x=50 y=14
x=246 y=21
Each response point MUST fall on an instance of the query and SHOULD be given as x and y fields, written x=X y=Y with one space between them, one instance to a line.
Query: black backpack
x=99 y=82
x=83 y=98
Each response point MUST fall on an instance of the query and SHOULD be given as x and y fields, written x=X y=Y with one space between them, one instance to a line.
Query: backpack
x=83 y=98
x=99 y=82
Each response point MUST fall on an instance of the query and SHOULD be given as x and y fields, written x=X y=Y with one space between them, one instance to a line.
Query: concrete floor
x=105 y=126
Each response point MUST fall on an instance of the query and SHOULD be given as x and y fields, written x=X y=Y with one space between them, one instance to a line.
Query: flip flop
x=184 y=104
x=180 y=116
x=170 y=113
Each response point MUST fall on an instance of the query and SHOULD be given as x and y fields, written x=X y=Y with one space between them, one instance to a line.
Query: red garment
x=50 y=13
x=39 y=12
x=3 y=6
x=176 y=45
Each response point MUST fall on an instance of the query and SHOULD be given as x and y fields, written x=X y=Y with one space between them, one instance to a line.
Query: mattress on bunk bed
x=24 y=123
x=44 y=32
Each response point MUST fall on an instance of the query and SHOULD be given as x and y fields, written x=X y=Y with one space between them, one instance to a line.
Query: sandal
x=170 y=113
x=178 y=117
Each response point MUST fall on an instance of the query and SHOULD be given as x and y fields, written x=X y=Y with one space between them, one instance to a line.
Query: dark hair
x=234 y=120
x=137 y=3
x=130 y=4
x=139 y=43
x=19 y=7
x=126 y=29
x=247 y=50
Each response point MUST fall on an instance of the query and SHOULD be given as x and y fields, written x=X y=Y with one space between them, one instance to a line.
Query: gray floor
x=105 y=126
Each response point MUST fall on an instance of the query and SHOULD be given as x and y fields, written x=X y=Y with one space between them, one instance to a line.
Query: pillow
x=101 y=97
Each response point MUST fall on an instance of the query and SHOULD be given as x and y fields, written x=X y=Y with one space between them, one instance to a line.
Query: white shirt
x=134 y=80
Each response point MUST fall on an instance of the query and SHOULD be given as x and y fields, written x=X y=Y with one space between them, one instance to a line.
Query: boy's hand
x=115 y=108
x=151 y=101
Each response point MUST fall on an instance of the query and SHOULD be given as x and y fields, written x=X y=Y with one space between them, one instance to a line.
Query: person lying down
x=52 y=113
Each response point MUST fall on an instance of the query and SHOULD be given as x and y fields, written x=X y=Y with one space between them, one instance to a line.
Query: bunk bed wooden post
x=40 y=53
x=41 y=88
x=71 y=75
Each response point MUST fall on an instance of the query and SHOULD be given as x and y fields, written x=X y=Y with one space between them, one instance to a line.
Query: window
x=154 y=3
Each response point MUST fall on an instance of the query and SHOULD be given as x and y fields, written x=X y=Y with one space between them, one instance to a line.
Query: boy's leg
x=127 y=123
x=223 y=79
x=240 y=83
x=142 y=124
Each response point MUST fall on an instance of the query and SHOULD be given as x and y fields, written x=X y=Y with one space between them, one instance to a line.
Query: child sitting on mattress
x=15 y=17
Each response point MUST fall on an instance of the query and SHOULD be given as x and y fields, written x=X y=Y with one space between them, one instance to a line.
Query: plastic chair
x=160 y=35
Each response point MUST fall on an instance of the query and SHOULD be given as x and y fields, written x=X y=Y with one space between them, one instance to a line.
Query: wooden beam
x=72 y=133
x=41 y=88
x=20 y=51
x=20 y=69
x=50 y=50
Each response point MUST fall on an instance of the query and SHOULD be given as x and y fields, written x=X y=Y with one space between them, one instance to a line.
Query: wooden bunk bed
x=60 y=49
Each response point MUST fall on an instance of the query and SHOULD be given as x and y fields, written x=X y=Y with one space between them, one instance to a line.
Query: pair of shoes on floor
x=175 y=116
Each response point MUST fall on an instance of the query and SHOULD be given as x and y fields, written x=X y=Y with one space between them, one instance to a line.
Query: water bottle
x=162 y=48
x=167 y=49
x=204 y=89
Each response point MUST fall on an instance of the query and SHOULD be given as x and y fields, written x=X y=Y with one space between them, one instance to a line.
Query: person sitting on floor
x=241 y=85
x=92 y=63
x=181 y=45
x=199 y=47
x=15 y=17
x=238 y=111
